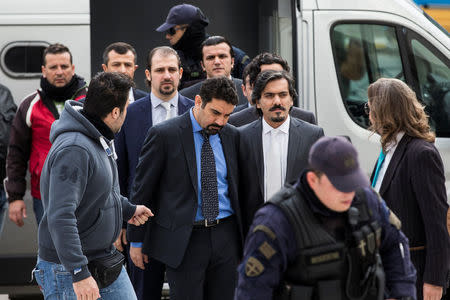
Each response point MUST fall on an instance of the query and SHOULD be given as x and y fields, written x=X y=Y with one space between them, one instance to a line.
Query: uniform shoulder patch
x=266 y=230
x=394 y=220
x=267 y=250
x=253 y=267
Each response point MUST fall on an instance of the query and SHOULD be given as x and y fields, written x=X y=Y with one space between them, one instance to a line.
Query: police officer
x=327 y=237
x=185 y=30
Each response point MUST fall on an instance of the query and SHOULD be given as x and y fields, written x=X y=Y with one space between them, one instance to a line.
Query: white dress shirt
x=131 y=96
x=159 y=113
x=390 y=150
x=275 y=149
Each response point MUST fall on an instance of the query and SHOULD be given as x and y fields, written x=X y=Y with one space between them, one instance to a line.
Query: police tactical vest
x=326 y=268
x=192 y=71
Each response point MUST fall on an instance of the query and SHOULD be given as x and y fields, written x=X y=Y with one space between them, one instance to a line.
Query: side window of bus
x=362 y=54
x=433 y=75
x=22 y=59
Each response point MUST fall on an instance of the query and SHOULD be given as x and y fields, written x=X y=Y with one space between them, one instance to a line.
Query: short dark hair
x=270 y=75
x=55 y=49
x=164 y=51
x=106 y=91
x=219 y=88
x=266 y=58
x=119 y=47
x=246 y=73
x=216 y=40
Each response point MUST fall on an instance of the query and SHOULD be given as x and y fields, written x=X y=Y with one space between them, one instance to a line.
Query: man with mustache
x=187 y=174
x=30 y=130
x=164 y=102
x=273 y=149
x=262 y=62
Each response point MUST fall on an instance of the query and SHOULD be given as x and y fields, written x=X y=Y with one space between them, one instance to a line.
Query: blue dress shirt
x=225 y=209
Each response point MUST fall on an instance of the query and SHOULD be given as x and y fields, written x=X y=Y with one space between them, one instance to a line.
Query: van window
x=362 y=54
x=275 y=28
x=22 y=59
x=433 y=75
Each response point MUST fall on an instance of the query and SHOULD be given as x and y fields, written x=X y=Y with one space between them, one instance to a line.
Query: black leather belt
x=205 y=223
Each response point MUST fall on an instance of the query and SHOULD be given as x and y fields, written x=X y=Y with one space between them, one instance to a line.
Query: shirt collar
x=283 y=127
x=131 y=95
x=156 y=101
x=393 y=145
x=195 y=126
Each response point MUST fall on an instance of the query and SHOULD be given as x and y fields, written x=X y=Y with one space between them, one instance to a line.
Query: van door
x=355 y=49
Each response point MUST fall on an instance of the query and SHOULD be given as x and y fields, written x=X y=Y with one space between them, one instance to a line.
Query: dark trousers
x=147 y=283
x=208 y=269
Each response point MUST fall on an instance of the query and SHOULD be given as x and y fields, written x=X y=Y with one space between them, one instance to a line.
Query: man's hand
x=86 y=289
x=141 y=215
x=432 y=292
x=121 y=240
x=17 y=211
x=138 y=257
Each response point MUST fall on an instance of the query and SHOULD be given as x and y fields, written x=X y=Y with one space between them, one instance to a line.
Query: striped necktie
x=377 y=170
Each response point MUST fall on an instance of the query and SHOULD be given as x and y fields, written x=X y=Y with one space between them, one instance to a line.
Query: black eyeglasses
x=366 y=108
x=173 y=30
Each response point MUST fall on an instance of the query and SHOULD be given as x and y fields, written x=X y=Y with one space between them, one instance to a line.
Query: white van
x=391 y=38
x=397 y=40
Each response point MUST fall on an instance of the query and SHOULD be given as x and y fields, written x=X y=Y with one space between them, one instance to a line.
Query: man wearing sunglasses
x=185 y=30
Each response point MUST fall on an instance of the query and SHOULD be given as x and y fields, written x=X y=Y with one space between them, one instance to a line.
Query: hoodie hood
x=71 y=120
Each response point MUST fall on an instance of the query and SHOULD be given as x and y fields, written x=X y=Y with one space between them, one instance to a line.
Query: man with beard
x=262 y=62
x=164 y=102
x=187 y=174
x=185 y=30
x=273 y=149
x=29 y=137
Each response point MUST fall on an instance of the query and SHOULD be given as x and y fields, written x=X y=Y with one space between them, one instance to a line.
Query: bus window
x=22 y=59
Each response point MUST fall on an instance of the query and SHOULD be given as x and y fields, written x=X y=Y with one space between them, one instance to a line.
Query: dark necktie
x=210 y=198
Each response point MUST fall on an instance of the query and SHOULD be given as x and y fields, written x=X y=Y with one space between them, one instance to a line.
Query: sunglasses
x=173 y=30
x=366 y=108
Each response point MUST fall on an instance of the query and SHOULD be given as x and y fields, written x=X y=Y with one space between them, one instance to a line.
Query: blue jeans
x=3 y=208
x=56 y=283
x=38 y=209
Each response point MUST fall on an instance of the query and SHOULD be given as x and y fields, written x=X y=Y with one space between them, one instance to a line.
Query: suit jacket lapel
x=227 y=145
x=181 y=105
x=294 y=149
x=187 y=141
x=258 y=151
x=393 y=164
x=148 y=122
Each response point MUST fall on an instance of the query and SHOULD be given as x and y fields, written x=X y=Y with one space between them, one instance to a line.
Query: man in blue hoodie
x=83 y=208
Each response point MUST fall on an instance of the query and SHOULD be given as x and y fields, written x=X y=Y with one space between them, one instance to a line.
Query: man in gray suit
x=217 y=60
x=274 y=147
x=262 y=62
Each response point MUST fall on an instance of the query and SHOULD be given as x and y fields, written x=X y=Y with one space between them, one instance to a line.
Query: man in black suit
x=217 y=60
x=122 y=57
x=187 y=174
x=273 y=149
x=262 y=62
x=164 y=102
x=246 y=89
